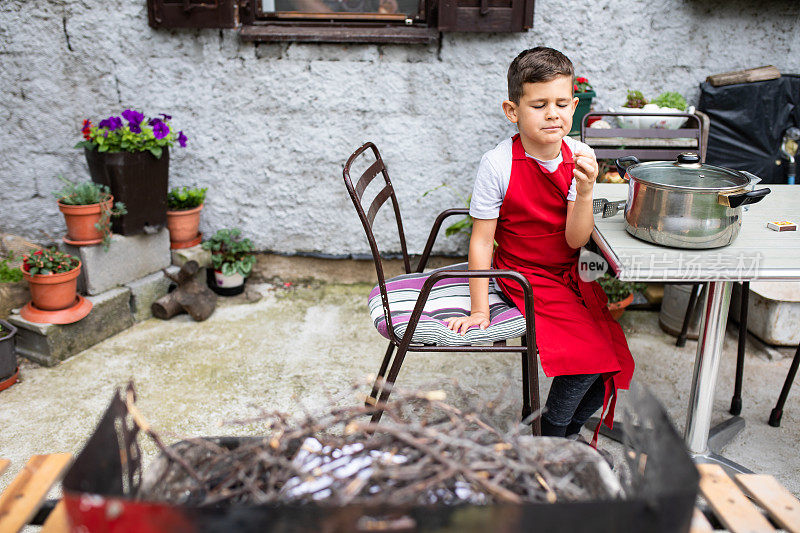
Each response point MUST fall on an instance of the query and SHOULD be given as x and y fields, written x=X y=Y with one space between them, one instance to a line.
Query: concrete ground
x=303 y=345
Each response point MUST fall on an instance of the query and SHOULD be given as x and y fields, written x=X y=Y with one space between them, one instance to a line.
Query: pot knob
x=688 y=158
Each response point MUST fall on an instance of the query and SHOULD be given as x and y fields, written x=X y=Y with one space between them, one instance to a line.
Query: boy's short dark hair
x=535 y=65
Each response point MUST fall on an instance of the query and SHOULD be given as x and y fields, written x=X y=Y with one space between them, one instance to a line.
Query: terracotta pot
x=52 y=292
x=617 y=308
x=81 y=220
x=183 y=225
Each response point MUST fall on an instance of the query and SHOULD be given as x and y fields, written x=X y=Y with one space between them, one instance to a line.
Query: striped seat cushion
x=448 y=298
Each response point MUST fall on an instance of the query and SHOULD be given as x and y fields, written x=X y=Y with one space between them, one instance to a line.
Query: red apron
x=575 y=333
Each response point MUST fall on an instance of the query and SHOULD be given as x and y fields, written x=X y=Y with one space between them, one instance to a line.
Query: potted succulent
x=584 y=92
x=87 y=208
x=634 y=103
x=8 y=355
x=232 y=258
x=52 y=278
x=619 y=293
x=131 y=157
x=183 y=216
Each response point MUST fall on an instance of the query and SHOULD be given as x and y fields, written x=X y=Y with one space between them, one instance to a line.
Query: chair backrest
x=367 y=216
x=647 y=144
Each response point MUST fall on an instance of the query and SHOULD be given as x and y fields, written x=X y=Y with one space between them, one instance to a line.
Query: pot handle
x=736 y=200
x=622 y=167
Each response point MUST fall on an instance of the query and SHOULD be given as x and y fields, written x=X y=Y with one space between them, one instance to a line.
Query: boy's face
x=544 y=113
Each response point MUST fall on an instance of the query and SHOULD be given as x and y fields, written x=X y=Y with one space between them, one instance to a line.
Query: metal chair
x=384 y=382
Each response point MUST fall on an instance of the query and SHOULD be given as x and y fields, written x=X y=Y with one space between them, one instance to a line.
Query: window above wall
x=370 y=21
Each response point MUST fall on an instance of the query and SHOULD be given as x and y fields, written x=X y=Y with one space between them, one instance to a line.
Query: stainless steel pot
x=686 y=204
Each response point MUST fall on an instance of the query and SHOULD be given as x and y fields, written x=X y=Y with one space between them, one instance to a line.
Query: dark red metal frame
x=382 y=387
x=629 y=134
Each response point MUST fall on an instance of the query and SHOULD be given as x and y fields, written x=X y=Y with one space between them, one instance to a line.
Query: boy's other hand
x=461 y=324
x=585 y=173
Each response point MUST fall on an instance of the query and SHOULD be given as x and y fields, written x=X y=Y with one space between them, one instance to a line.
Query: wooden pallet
x=740 y=506
x=23 y=497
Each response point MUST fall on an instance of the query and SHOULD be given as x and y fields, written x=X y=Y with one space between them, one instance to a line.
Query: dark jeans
x=570 y=403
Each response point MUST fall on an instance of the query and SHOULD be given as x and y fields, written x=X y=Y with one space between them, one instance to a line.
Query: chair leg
x=691 y=306
x=373 y=396
x=526 y=393
x=777 y=412
x=530 y=386
x=736 y=400
x=389 y=382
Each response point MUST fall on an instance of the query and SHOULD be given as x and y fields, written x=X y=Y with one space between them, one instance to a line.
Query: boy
x=533 y=196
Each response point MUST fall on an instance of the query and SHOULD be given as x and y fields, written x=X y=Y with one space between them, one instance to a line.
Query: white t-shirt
x=494 y=174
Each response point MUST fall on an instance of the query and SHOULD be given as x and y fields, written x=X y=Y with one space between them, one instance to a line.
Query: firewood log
x=192 y=295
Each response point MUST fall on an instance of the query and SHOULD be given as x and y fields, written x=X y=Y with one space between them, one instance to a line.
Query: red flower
x=87 y=124
x=582 y=80
x=575 y=88
x=39 y=252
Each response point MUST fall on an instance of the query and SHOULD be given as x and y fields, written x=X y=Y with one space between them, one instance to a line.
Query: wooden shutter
x=485 y=15
x=193 y=13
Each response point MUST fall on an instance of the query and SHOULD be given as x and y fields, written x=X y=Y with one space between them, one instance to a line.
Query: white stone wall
x=270 y=125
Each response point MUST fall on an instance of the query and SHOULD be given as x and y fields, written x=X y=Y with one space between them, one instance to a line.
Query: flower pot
x=138 y=180
x=81 y=220
x=52 y=292
x=225 y=285
x=183 y=227
x=8 y=353
x=584 y=105
x=617 y=308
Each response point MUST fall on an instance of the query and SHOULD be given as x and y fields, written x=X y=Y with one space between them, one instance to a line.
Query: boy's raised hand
x=585 y=173
x=463 y=323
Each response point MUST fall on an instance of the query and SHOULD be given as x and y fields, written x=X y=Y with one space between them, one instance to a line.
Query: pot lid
x=689 y=174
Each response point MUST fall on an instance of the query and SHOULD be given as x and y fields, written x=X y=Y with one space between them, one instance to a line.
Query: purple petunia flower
x=182 y=139
x=134 y=118
x=112 y=123
x=166 y=117
x=160 y=129
x=135 y=128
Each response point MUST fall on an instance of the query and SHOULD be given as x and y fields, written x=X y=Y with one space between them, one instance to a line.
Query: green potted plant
x=52 y=278
x=232 y=258
x=8 y=355
x=87 y=208
x=619 y=293
x=183 y=216
x=668 y=103
x=634 y=103
x=584 y=92
x=131 y=157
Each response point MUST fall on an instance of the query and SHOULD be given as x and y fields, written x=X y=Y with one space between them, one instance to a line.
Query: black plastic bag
x=748 y=121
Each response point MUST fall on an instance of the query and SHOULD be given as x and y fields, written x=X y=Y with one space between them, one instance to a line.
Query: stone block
x=773 y=311
x=196 y=253
x=49 y=344
x=128 y=258
x=147 y=290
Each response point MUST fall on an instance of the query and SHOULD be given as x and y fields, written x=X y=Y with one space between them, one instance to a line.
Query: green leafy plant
x=89 y=193
x=617 y=290
x=48 y=261
x=670 y=99
x=181 y=198
x=4 y=332
x=7 y=273
x=230 y=253
x=635 y=100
